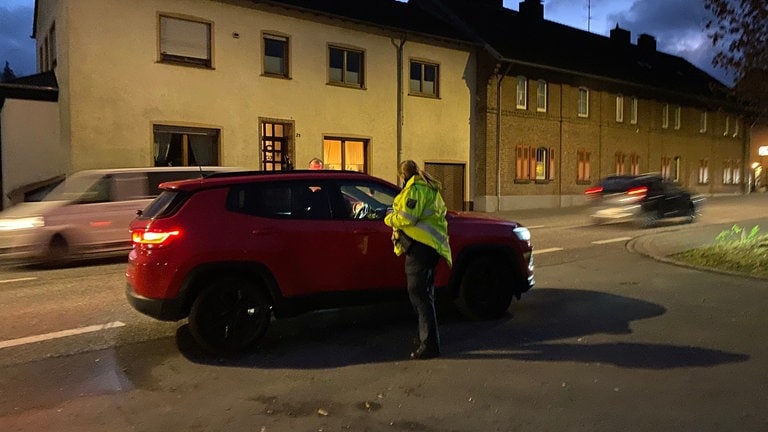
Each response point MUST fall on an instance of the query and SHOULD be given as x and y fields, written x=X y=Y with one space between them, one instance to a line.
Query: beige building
x=187 y=82
x=477 y=93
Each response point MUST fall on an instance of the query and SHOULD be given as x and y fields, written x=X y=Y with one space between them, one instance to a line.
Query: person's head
x=407 y=169
x=316 y=164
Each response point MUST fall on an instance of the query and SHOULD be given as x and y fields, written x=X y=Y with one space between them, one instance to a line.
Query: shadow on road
x=383 y=333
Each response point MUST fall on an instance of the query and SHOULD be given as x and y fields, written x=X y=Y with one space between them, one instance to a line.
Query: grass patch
x=735 y=250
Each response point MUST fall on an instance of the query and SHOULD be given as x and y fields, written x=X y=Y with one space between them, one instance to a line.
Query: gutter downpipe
x=399 y=46
x=498 y=135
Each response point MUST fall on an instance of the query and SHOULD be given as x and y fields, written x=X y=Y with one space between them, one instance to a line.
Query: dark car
x=644 y=199
x=231 y=251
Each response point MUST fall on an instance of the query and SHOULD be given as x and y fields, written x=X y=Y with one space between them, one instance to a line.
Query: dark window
x=345 y=66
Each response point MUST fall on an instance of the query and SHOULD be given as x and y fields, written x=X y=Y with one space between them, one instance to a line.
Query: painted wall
x=32 y=149
x=113 y=88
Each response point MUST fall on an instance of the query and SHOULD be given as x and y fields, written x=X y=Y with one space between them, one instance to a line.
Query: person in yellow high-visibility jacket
x=420 y=231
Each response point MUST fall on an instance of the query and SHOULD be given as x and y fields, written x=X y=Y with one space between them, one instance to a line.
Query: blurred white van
x=86 y=215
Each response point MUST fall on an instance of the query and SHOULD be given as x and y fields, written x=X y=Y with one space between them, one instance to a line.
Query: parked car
x=644 y=199
x=231 y=251
x=86 y=215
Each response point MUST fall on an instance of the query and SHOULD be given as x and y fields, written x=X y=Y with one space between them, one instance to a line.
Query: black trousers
x=420 y=263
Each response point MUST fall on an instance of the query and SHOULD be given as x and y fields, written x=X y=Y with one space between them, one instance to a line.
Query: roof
x=42 y=87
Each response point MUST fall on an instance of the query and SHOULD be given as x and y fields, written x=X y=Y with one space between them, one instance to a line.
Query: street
x=609 y=339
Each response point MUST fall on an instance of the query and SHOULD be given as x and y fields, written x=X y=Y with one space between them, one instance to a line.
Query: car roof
x=236 y=177
x=156 y=169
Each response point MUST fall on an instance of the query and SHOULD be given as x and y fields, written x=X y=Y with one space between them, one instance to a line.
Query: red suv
x=231 y=250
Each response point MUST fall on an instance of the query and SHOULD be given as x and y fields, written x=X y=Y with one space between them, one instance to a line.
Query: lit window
x=345 y=67
x=703 y=122
x=423 y=79
x=620 y=158
x=583 y=167
x=276 y=146
x=349 y=154
x=703 y=171
x=634 y=164
x=185 y=41
x=727 y=125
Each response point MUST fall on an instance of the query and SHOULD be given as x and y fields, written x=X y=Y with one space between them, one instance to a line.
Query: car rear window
x=164 y=205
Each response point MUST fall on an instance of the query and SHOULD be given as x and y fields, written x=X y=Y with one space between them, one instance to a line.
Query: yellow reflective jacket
x=419 y=212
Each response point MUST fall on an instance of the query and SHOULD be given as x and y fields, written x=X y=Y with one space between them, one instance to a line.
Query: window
x=619 y=108
x=676 y=166
x=349 y=154
x=678 y=114
x=185 y=146
x=185 y=41
x=583 y=102
x=703 y=171
x=541 y=96
x=345 y=67
x=633 y=110
x=703 y=122
x=634 y=164
x=665 y=116
x=665 y=167
x=727 y=125
x=523 y=162
x=731 y=172
x=276 y=146
x=522 y=93
x=735 y=128
x=583 y=174
x=620 y=158
x=424 y=78
x=275 y=55
x=544 y=168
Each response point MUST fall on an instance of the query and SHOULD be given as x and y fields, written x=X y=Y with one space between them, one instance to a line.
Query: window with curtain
x=345 y=66
x=424 y=79
x=583 y=166
x=620 y=158
x=541 y=96
x=703 y=171
x=185 y=41
x=185 y=146
x=349 y=154
x=634 y=164
x=275 y=55
x=522 y=92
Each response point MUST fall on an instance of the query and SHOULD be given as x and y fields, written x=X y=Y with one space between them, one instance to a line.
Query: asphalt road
x=613 y=337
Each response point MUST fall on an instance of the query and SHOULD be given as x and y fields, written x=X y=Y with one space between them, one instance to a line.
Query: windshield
x=76 y=187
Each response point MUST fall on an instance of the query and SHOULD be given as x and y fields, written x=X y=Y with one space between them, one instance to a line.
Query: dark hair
x=409 y=168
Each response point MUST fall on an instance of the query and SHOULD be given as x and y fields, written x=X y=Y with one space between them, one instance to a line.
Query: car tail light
x=638 y=191
x=594 y=190
x=153 y=239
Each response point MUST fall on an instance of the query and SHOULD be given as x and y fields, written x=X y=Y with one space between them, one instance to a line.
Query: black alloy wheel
x=230 y=316
x=486 y=288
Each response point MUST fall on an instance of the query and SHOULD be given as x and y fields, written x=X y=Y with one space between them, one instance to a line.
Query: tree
x=740 y=29
x=8 y=74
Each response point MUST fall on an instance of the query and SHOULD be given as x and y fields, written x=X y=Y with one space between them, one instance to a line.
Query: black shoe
x=424 y=352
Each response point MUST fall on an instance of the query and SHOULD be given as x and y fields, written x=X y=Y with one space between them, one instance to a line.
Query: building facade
x=509 y=110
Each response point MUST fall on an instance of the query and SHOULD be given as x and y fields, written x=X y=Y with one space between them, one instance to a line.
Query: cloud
x=16 y=45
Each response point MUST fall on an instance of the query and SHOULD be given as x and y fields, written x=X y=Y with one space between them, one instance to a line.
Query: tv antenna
x=589 y=14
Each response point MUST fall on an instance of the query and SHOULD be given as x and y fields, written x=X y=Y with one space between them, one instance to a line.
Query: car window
x=295 y=200
x=74 y=187
x=165 y=204
x=367 y=200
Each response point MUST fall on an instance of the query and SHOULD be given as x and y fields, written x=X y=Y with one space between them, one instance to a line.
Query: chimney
x=620 y=37
x=646 y=42
x=532 y=9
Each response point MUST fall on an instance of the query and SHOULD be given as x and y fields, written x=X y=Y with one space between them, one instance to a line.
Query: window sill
x=345 y=85
x=424 y=95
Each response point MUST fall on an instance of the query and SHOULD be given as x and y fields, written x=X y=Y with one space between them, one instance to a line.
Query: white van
x=86 y=215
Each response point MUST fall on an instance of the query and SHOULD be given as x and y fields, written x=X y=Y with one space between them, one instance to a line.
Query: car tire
x=230 y=316
x=691 y=216
x=648 y=219
x=485 y=288
x=57 y=251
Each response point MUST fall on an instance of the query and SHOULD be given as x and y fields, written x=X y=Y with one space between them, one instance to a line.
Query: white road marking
x=17 y=280
x=541 y=251
x=535 y=226
x=60 y=334
x=613 y=240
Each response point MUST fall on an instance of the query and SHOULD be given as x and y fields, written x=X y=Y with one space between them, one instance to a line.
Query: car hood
x=31 y=209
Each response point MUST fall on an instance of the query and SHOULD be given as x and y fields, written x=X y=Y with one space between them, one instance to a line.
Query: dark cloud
x=16 y=45
x=677 y=25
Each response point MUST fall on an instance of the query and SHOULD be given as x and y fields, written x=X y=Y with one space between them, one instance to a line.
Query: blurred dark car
x=643 y=199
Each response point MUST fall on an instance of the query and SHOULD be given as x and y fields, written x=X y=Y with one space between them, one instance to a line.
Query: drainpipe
x=498 y=135
x=399 y=46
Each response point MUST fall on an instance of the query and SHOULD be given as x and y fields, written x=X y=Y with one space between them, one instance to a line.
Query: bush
x=735 y=250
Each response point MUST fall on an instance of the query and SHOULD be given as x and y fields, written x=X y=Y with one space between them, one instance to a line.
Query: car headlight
x=21 y=223
x=522 y=233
